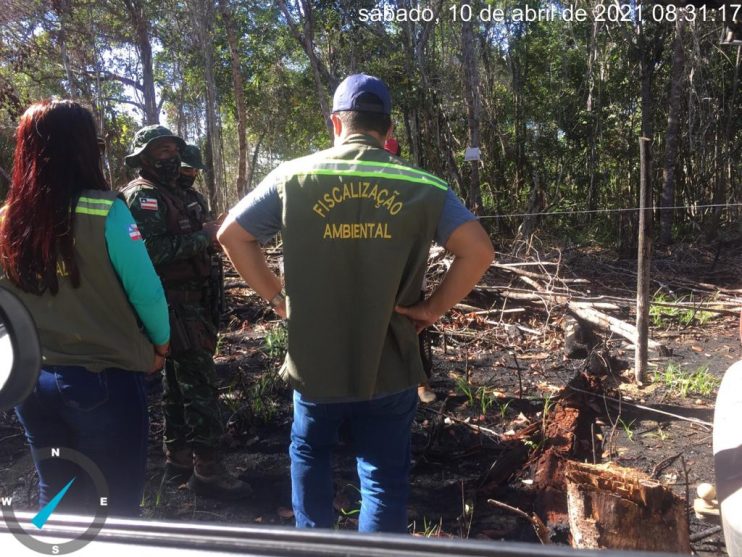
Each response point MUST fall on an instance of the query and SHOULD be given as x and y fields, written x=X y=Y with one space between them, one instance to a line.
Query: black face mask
x=184 y=181
x=167 y=170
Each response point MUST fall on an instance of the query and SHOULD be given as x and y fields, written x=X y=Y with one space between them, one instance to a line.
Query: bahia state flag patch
x=148 y=204
x=134 y=233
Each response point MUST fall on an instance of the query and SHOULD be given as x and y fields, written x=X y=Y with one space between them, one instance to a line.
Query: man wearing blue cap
x=357 y=224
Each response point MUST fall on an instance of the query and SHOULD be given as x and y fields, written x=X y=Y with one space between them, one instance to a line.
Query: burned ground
x=499 y=373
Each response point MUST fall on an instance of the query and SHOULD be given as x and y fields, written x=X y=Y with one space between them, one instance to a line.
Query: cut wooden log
x=587 y=313
x=607 y=322
x=611 y=507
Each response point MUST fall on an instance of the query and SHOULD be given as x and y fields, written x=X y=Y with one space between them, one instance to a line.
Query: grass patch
x=628 y=429
x=430 y=529
x=262 y=396
x=480 y=398
x=663 y=316
x=276 y=342
x=684 y=383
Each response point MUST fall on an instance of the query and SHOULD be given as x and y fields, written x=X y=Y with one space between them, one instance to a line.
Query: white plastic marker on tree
x=472 y=154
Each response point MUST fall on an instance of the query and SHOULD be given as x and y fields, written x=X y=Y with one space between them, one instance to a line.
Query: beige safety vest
x=357 y=227
x=93 y=326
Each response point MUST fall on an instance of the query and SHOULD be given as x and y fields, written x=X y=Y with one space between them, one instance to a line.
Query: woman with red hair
x=69 y=248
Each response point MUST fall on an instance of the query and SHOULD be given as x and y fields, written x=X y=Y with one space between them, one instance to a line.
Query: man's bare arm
x=244 y=252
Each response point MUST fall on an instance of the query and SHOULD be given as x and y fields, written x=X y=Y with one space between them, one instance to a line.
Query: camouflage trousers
x=190 y=401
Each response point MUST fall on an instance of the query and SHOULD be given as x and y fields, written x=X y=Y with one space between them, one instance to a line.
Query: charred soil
x=501 y=377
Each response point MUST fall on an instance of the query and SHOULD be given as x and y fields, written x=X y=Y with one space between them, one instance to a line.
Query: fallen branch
x=542 y=532
x=663 y=465
x=480 y=429
x=510 y=269
x=648 y=408
x=607 y=322
x=596 y=301
x=698 y=536
x=479 y=311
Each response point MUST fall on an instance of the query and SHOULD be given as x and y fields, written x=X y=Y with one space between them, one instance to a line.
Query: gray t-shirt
x=259 y=212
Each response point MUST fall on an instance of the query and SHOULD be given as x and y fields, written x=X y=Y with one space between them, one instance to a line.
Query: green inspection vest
x=93 y=326
x=357 y=225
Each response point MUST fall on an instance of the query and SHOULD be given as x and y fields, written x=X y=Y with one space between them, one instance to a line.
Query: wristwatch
x=278 y=299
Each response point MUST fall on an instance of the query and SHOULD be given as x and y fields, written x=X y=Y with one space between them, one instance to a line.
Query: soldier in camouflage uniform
x=172 y=218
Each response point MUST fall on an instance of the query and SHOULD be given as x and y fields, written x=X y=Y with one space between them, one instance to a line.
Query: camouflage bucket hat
x=144 y=137
x=191 y=157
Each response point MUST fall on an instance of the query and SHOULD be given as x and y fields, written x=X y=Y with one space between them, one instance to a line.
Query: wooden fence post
x=643 y=260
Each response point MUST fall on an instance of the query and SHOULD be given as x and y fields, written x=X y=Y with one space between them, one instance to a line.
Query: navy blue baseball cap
x=364 y=93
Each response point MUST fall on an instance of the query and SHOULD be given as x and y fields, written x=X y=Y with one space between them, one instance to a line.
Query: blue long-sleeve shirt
x=131 y=262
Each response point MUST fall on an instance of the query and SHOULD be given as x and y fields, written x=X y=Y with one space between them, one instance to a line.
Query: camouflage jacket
x=170 y=221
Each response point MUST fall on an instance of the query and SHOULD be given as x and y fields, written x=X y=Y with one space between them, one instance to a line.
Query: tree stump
x=620 y=508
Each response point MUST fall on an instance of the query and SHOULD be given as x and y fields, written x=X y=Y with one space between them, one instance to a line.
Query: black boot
x=178 y=464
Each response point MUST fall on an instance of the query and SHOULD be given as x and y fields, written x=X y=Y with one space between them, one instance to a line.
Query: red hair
x=56 y=157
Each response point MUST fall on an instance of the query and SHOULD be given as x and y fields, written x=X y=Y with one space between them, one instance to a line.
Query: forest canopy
x=555 y=106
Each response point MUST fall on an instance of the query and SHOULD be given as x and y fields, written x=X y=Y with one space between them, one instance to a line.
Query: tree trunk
x=412 y=155
x=182 y=124
x=473 y=109
x=239 y=99
x=729 y=130
x=519 y=123
x=593 y=118
x=536 y=204
x=254 y=164
x=202 y=14
x=62 y=9
x=667 y=198
x=140 y=23
x=323 y=80
x=209 y=163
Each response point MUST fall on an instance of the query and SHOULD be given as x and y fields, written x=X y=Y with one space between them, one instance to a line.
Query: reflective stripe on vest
x=368 y=169
x=90 y=206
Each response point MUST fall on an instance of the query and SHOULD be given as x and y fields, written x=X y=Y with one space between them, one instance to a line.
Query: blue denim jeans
x=380 y=434
x=102 y=415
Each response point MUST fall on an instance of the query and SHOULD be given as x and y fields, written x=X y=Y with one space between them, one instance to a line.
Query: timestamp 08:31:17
x=667 y=12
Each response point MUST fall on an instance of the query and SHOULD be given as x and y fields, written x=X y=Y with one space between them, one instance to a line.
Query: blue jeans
x=380 y=432
x=102 y=415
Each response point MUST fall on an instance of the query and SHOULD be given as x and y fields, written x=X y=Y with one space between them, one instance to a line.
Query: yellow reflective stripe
x=91 y=201
x=360 y=174
x=88 y=211
x=406 y=170
x=96 y=201
x=91 y=206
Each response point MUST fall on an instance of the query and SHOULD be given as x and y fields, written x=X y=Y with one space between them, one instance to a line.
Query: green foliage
x=663 y=316
x=559 y=104
x=503 y=408
x=430 y=528
x=481 y=398
x=684 y=383
x=548 y=403
x=275 y=342
x=262 y=396
x=627 y=428
x=351 y=512
x=463 y=386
